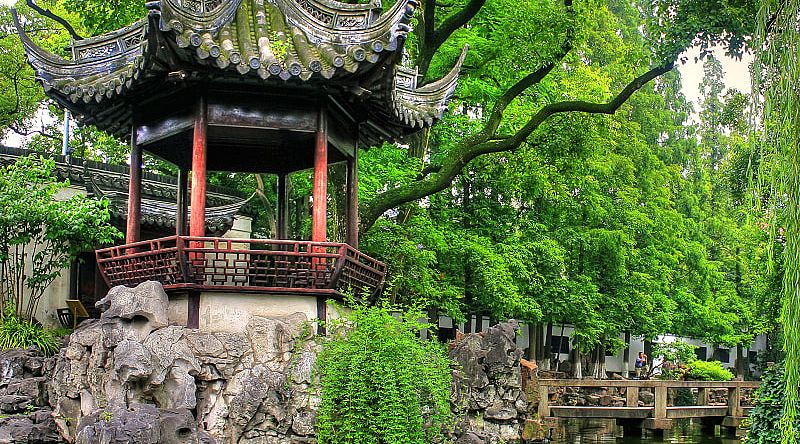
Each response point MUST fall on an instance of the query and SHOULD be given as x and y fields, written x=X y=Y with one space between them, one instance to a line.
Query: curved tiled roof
x=321 y=41
x=159 y=192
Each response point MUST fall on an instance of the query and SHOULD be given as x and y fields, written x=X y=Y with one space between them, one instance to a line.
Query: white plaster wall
x=242 y=228
x=230 y=312
x=178 y=310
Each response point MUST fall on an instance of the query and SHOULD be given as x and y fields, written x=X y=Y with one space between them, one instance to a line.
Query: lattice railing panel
x=243 y=263
x=133 y=264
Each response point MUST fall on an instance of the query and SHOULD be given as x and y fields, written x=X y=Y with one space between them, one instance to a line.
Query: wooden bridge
x=659 y=416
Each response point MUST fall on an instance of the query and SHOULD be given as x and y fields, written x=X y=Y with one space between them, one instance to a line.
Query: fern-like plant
x=380 y=383
x=20 y=333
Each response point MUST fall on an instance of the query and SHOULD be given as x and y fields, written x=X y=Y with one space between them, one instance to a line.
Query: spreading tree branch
x=47 y=13
x=433 y=38
x=478 y=145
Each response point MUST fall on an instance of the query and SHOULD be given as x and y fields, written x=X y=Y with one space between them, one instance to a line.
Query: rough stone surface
x=130 y=377
x=487 y=389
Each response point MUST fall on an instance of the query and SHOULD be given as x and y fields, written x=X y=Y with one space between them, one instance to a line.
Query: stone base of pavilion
x=230 y=312
x=217 y=284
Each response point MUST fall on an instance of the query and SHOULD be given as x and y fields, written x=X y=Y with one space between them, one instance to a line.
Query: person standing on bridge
x=641 y=365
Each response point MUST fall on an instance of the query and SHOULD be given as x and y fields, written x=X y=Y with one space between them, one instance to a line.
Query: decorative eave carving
x=420 y=106
x=352 y=48
x=104 y=67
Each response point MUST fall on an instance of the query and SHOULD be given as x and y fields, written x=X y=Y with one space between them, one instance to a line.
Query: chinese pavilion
x=246 y=86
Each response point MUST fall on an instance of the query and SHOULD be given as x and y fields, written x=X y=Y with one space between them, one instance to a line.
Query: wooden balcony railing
x=205 y=263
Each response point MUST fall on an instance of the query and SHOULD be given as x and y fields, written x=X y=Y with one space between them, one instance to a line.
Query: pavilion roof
x=159 y=192
x=350 y=50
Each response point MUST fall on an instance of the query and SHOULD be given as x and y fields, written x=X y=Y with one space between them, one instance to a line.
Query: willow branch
x=471 y=148
x=47 y=13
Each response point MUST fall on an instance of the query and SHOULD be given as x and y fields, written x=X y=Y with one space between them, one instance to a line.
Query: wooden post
x=283 y=206
x=702 y=396
x=133 y=231
x=660 y=410
x=734 y=409
x=182 y=212
x=632 y=396
x=319 y=211
x=544 y=401
x=193 y=310
x=322 y=314
x=352 y=199
x=198 y=220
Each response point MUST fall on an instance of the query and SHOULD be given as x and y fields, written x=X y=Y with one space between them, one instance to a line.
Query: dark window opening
x=701 y=353
x=446 y=334
x=560 y=344
x=87 y=284
x=722 y=355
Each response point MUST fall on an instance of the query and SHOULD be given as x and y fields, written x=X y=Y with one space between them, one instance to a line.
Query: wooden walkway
x=660 y=415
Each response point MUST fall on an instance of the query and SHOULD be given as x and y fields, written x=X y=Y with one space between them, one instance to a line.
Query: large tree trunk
x=600 y=371
x=577 y=364
x=741 y=365
x=548 y=348
x=626 y=355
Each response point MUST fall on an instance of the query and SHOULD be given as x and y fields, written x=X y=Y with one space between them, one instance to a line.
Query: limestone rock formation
x=130 y=377
x=23 y=398
x=487 y=386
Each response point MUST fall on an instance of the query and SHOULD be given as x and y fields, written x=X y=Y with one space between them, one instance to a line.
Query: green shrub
x=765 y=418
x=708 y=371
x=380 y=383
x=20 y=333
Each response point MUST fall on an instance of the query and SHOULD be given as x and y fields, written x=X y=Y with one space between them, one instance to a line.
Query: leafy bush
x=41 y=232
x=380 y=383
x=707 y=371
x=21 y=333
x=765 y=418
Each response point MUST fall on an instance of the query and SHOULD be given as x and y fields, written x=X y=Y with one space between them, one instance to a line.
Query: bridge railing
x=660 y=389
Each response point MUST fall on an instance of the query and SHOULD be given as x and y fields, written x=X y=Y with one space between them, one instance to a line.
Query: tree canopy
x=571 y=180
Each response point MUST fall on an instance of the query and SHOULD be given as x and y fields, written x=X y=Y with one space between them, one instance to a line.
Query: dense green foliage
x=43 y=227
x=777 y=78
x=766 y=417
x=21 y=333
x=380 y=382
x=571 y=182
x=707 y=371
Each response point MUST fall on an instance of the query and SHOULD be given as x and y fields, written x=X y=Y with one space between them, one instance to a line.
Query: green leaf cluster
x=380 y=383
x=43 y=227
x=21 y=334
x=765 y=418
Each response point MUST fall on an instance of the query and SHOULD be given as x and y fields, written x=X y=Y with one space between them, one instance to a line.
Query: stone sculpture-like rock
x=487 y=386
x=130 y=368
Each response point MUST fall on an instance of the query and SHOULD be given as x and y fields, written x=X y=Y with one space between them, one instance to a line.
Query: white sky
x=737 y=73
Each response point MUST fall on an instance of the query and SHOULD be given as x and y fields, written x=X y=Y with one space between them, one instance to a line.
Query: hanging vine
x=776 y=82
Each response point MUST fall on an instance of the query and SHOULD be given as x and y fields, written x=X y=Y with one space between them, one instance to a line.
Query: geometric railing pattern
x=263 y=265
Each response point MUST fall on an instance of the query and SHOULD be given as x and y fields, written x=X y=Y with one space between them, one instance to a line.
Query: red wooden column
x=352 y=199
x=133 y=231
x=319 y=211
x=197 y=221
